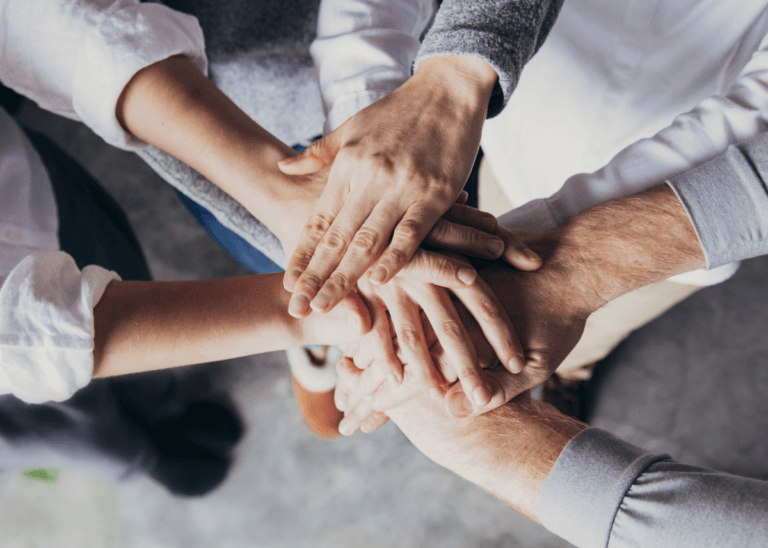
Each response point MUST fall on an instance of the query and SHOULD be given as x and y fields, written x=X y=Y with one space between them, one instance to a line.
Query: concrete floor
x=286 y=488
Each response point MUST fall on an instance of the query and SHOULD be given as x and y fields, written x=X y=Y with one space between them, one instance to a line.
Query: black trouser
x=121 y=426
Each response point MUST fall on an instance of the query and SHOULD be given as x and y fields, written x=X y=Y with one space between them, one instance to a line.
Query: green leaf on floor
x=46 y=475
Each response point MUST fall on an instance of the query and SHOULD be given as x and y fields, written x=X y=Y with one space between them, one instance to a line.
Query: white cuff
x=126 y=39
x=46 y=326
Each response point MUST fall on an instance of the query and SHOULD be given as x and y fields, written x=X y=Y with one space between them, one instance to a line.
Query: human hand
x=398 y=165
x=548 y=309
x=508 y=452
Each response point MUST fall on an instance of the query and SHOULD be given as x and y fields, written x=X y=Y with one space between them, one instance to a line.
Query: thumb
x=318 y=155
x=353 y=310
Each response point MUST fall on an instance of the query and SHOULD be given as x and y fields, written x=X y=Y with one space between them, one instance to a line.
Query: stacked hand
x=548 y=310
x=397 y=167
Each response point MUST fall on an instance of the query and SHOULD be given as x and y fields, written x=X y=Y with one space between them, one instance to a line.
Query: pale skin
x=397 y=166
x=595 y=257
x=603 y=253
x=173 y=106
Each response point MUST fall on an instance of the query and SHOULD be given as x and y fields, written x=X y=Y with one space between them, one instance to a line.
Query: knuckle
x=486 y=311
x=397 y=256
x=445 y=269
x=338 y=283
x=441 y=231
x=409 y=338
x=408 y=229
x=309 y=282
x=318 y=224
x=451 y=331
x=334 y=242
x=366 y=241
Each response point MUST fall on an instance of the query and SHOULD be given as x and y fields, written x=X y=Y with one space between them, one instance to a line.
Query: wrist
x=518 y=445
x=622 y=245
x=468 y=80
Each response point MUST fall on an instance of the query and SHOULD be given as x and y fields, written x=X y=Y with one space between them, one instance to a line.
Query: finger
x=365 y=245
x=404 y=313
x=517 y=253
x=329 y=250
x=463 y=197
x=374 y=421
x=387 y=397
x=362 y=382
x=343 y=395
x=353 y=310
x=316 y=156
x=455 y=342
x=465 y=240
x=318 y=223
x=471 y=217
x=504 y=385
x=485 y=307
x=406 y=239
x=377 y=344
x=353 y=418
x=439 y=269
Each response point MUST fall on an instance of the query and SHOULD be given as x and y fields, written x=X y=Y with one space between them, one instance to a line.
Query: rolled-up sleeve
x=46 y=326
x=74 y=57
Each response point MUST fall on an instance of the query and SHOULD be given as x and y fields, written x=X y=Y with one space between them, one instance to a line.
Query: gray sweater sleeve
x=727 y=201
x=603 y=491
x=505 y=33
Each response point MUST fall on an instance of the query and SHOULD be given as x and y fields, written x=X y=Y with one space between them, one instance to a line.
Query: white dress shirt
x=609 y=76
x=73 y=58
x=364 y=50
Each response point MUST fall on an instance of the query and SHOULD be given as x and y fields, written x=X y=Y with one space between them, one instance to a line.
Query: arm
x=590 y=260
x=694 y=137
x=586 y=485
x=400 y=163
x=59 y=325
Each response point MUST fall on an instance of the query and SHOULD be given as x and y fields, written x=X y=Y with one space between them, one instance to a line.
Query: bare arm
x=140 y=326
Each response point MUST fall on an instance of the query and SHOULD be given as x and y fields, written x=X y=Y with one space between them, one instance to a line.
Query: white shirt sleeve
x=364 y=50
x=46 y=326
x=693 y=138
x=74 y=57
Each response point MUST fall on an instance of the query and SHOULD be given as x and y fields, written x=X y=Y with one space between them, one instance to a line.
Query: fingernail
x=459 y=405
x=467 y=275
x=496 y=247
x=379 y=275
x=345 y=428
x=481 y=395
x=517 y=363
x=299 y=305
x=435 y=393
x=366 y=427
x=530 y=255
x=321 y=302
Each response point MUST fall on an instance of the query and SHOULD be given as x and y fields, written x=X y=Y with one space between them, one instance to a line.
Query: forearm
x=141 y=326
x=173 y=106
x=517 y=446
x=619 y=246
